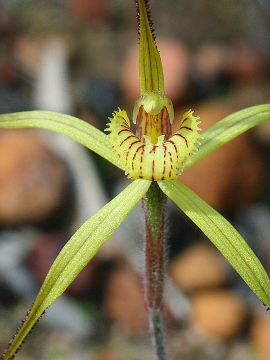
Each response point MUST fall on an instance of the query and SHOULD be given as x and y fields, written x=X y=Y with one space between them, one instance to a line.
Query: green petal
x=151 y=73
x=223 y=235
x=227 y=129
x=70 y=126
x=77 y=253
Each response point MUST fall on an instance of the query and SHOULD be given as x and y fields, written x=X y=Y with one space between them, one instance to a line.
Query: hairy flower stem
x=154 y=205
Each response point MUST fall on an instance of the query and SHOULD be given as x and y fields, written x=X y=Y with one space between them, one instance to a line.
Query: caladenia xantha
x=153 y=158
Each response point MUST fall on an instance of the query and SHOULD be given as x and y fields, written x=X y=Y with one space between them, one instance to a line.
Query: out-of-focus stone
x=124 y=300
x=85 y=9
x=210 y=60
x=175 y=61
x=231 y=176
x=219 y=313
x=44 y=252
x=262 y=133
x=260 y=335
x=198 y=266
x=27 y=51
x=247 y=63
x=32 y=179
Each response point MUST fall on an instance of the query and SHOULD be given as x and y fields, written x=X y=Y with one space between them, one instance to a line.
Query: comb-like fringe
x=2 y=356
x=149 y=16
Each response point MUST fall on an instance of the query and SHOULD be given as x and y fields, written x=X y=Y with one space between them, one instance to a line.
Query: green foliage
x=223 y=235
x=227 y=129
x=70 y=126
x=77 y=253
x=85 y=243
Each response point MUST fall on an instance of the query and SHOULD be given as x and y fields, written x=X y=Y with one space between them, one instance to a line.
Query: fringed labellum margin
x=152 y=155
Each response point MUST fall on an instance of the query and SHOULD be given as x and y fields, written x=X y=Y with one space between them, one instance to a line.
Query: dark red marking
x=122 y=117
x=130 y=146
x=164 y=162
x=123 y=130
x=153 y=169
x=182 y=138
x=175 y=148
x=141 y=160
x=170 y=172
x=186 y=127
x=134 y=156
x=127 y=138
x=153 y=149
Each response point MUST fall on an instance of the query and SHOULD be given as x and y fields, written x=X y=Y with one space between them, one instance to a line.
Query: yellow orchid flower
x=153 y=158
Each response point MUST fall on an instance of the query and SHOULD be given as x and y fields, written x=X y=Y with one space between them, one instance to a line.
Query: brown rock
x=262 y=133
x=247 y=63
x=27 y=52
x=88 y=10
x=197 y=267
x=260 y=335
x=42 y=255
x=32 y=179
x=124 y=300
x=218 y=313
x=230 y=177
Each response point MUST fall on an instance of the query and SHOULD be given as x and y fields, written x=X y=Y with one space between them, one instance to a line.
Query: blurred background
x=81 y=57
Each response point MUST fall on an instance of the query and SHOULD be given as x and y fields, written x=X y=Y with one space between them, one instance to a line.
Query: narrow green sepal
x=223 y=235
x=77 y=253
x=150 y=67
x=74 y=128
x=227 y=129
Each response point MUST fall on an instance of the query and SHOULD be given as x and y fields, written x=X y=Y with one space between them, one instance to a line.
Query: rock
x=32 y=179
x=44 y=252
x=247 y=63
x=262 y=133
x=27 y=50
x=198 y=266
x=260 y=335
x=219 y=313
x=124 y=300
x=88 y=10
x=175 y=60
x=210 y=60
x=230 y=177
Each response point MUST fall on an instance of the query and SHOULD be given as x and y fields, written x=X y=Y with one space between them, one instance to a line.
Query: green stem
x=154 y=205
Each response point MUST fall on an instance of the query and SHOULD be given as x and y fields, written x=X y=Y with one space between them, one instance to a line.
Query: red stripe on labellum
x=130 y=146
x=182 y=138
x=141 y=160
x=175 y=148
x=164 y=161
x=153 y=169
x=186 y=127
x=127 y=138
x=134 y=156
x=171 y=161
x=123 y=130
